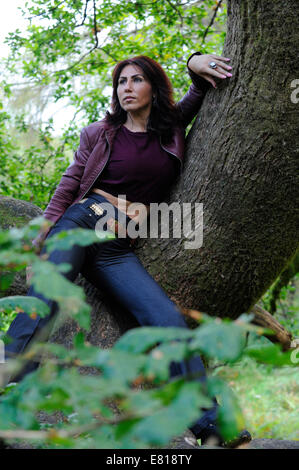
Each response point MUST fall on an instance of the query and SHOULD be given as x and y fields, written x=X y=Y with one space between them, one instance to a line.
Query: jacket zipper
x=181 y=165
x=100 y=171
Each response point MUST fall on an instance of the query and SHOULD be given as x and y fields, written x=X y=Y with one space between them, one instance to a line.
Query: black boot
x=211 y=436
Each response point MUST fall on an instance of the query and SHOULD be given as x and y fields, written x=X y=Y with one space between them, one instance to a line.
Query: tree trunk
x=241 y=163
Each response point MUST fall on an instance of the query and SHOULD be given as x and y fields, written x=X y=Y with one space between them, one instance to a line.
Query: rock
x=273 y=444
x=186 y=441
x=16 y=213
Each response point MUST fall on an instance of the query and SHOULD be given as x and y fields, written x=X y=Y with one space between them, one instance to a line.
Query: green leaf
x=70 y=297
x=172 y=420
x=78 y=309
x=159 y=359
x=6 y=280
x=219 y=340
x=64 y=442
x=59 y=288
x=125 y=427
x=142 y=339
x=16 y=261
x=29 y=305
x=145 y=402
x=245 y=317
x=58 y=350
x=78 y=340
x=270 y=354
x=68 y=238
x=58 y=399
x=229 y=416
x=119 y=365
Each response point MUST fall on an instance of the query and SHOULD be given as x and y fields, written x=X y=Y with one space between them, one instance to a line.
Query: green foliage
x=286 y=301
x=230 y=416
x=66 y=56
x=30 y=173
x=267 y=394
x=133 y=375
x=16 y=253
x=228 y=338
x=31 y=305
x=282 y=300
x=269 y=354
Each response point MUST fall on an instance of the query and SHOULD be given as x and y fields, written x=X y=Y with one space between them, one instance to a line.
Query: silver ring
x=213 y=65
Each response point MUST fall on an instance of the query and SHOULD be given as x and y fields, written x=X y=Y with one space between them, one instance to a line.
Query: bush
x=133 y=375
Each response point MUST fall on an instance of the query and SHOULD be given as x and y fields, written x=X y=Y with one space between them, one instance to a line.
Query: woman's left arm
x=203 y=77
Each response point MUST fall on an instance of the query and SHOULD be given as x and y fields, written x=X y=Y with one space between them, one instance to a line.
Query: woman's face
x=134 y=90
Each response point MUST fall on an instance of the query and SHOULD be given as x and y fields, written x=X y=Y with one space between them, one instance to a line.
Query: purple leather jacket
x=94 y=150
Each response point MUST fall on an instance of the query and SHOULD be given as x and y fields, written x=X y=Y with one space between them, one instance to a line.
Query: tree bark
x=241 y=163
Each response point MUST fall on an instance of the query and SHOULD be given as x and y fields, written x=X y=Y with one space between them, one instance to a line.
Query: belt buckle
x=96 y=208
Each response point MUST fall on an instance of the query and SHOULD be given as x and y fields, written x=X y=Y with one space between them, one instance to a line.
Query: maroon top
x=138 y=167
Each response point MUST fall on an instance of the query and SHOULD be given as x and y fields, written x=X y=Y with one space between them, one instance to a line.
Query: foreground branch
x=62 y=433
x=261 y=318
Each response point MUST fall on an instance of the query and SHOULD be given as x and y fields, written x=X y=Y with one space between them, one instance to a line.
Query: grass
x=268 y=396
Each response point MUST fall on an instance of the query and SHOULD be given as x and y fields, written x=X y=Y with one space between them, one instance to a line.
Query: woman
x=136 y=151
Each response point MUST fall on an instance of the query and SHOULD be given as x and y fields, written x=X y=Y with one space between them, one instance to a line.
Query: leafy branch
x=150 y=415
x=211 y=22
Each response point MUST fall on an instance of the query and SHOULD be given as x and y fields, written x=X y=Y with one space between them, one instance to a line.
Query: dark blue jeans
x=114 y=267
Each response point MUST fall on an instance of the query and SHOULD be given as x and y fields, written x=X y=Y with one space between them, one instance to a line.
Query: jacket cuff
x=198 y=81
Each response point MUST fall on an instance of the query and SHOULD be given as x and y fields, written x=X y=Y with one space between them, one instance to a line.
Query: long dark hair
x=164 y=116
